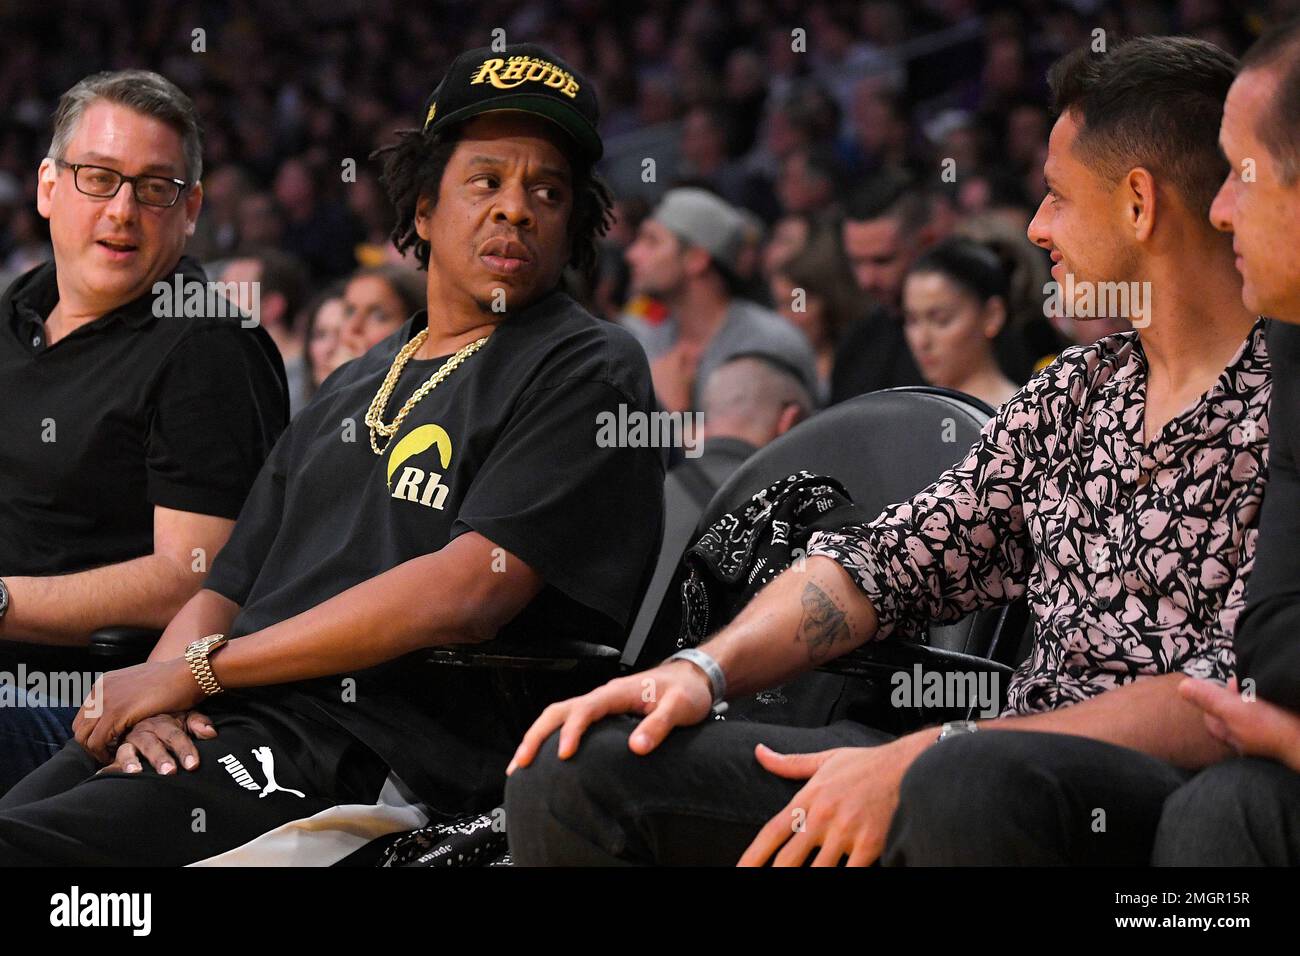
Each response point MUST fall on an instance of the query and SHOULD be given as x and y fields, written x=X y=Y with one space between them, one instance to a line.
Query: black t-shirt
x=128 y=412
x=505 y=446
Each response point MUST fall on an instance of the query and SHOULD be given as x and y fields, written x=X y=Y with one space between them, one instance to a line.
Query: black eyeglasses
x=103 y=183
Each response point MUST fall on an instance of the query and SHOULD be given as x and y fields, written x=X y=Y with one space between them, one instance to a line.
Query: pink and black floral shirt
x=1133 y=555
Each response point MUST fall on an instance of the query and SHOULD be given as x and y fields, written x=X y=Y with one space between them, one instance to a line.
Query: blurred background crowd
x=882 y=161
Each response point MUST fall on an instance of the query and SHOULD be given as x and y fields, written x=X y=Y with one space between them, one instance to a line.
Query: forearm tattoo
x=824 y=623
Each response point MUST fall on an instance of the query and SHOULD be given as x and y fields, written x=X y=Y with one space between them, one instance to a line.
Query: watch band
x=197 y=656
x=957 y=728
x=712 y=670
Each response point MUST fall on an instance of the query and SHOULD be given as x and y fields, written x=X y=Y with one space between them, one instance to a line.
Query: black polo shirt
x=506 y=446
x=128 y=412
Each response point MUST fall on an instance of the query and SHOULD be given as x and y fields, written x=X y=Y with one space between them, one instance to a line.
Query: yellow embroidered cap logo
x=507 y=74
x=522 y=77
x=415 y=484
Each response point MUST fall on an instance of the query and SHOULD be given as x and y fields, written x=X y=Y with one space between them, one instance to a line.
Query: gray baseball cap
x=699 y=218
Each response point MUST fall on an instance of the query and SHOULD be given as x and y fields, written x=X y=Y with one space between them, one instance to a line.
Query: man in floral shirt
x=1118 y=492
x=1132 y=554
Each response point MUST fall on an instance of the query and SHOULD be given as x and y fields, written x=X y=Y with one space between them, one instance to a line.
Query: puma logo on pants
x=241 y=776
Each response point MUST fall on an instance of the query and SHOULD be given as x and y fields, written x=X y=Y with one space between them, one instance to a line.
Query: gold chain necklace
x=375 y=414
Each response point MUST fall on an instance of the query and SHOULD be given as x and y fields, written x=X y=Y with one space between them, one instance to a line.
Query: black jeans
x=698 y=799
x=1242 y=812
x=1013 y=798
x=992 y=798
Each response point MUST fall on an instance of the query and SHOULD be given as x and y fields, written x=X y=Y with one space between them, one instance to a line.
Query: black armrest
x=550 y=655
x=877 y=663
x=871 y=660
x=121 y=646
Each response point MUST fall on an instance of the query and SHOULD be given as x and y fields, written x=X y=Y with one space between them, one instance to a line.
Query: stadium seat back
x=883 y=447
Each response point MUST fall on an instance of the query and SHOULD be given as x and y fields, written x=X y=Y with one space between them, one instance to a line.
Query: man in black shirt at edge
x=886 y=227
x=130 y=431
x=1246 y=811
x=445 y=488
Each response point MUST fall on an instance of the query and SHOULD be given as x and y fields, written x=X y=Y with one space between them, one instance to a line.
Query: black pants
x=995 y=797
x=65 y=813
x=1010 y=798
x=699 y=798
x=1242 y=812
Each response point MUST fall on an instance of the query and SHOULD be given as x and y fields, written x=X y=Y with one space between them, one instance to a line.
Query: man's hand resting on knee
x=809 y=614
x=674 y=694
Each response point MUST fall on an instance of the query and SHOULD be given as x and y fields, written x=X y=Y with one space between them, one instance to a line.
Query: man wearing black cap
x=444 y=488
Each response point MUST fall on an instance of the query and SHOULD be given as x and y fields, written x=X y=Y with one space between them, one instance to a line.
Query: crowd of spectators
x=933 y=113
x=812 y=203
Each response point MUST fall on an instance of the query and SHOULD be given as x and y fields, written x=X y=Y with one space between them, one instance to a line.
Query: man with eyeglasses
x=130 y=431
x=103 y=182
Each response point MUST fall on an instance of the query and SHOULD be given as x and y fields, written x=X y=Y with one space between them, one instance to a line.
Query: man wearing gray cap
x=685 y=255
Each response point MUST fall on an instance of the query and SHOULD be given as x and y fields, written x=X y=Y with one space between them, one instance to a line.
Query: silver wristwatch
x=4 y=598
x=957 y=728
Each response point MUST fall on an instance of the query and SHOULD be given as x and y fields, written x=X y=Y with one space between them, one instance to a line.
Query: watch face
x=955 y=728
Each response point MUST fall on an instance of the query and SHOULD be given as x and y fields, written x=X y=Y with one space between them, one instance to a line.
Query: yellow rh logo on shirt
x=417 y=441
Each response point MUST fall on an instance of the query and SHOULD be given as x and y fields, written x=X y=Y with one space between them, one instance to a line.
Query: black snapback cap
x=524 y=77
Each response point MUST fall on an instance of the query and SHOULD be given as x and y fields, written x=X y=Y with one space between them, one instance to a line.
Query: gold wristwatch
x=196 y=655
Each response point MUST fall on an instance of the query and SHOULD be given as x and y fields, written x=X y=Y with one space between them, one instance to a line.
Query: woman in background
x=323 y=319
x=376 y=302
x=816 y=293
x=954 y=307
x=1030 y=340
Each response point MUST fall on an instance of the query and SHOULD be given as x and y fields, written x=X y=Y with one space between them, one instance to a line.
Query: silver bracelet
x=712 y=670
